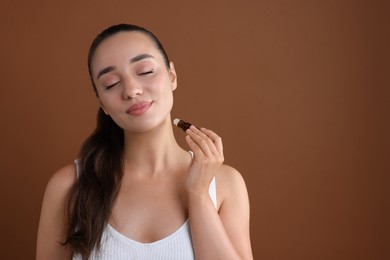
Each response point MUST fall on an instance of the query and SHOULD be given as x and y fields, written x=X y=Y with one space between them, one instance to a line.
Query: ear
x=172 y=75
x=102 y=106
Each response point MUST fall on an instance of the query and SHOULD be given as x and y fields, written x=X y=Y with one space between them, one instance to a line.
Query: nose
x=131 y=88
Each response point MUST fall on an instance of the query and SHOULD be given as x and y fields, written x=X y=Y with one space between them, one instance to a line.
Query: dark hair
x=101 y=167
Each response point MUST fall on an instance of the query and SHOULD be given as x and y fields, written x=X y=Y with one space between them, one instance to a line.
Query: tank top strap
x=78 y=167
x=213 y=192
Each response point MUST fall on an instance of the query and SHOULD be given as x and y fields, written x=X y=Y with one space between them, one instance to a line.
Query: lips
x=139 y=108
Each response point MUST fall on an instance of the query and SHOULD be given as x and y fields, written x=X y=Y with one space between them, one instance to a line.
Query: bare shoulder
x=63 y=177
x=230 y=183
x=230 y=178
x=52 y=224
x=58 y=188
x=228 y=172
x=233 y=208
x=62 y=180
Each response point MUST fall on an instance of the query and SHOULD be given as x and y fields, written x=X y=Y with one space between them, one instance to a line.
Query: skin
x=158 y=174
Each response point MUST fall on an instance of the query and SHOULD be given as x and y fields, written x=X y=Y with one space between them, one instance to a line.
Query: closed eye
x=147 y=72
x=110 y=86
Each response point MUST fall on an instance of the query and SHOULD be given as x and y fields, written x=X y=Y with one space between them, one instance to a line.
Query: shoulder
x=57 y=190
x=229 y=177
x=62 y=180
x=52 y=224
x=234 y=209
x=230 y=185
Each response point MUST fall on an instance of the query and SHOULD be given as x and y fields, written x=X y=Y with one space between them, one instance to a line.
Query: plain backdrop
x=298 y=90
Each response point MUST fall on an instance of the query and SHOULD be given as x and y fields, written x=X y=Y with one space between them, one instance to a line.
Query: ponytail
x=93 y=195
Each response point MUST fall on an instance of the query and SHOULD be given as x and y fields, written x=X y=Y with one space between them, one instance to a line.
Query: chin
x=145 y=125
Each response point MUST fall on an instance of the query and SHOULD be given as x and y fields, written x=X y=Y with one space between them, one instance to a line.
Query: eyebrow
x=141 y=57
x=132 y=60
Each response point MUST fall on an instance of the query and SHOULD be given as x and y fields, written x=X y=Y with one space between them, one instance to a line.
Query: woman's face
x=134 y=85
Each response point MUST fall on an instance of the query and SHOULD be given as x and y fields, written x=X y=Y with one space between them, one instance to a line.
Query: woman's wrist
x=197 y=195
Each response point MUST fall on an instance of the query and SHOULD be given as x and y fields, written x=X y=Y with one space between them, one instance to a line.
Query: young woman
x=134 y=193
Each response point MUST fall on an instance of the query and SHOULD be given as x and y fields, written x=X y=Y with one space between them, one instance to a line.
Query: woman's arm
x=52 y=223
x=223 y=234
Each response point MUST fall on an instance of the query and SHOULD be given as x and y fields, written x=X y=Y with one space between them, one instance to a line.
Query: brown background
x=297 y=89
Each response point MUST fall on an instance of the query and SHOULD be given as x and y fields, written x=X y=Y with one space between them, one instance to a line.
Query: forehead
x=123 y=46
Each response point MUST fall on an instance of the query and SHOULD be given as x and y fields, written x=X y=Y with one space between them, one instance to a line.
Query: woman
x=135 y=193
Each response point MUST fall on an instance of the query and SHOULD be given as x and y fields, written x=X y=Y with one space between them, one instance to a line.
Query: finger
x=202 y=141
x=213 y=140
x=204 y=136
x=216 y=139
x=194 y=147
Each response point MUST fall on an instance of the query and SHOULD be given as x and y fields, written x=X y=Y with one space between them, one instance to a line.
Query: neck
x=152 y=152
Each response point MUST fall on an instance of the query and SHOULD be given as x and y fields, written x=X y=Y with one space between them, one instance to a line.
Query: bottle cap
x=176 y=121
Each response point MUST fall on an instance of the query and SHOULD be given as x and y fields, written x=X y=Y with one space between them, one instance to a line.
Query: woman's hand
x=226 y=229
x=208 y=157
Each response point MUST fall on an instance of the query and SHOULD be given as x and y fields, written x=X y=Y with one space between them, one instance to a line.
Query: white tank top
x=178 y=245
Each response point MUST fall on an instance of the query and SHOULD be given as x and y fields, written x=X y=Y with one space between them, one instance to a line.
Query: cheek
x=108 y=104
x=162 y=93
x=161 y=85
